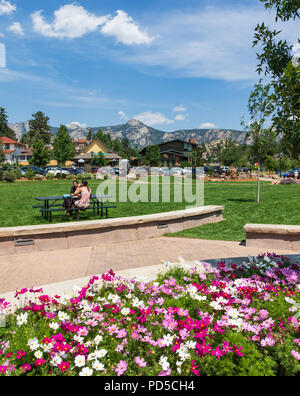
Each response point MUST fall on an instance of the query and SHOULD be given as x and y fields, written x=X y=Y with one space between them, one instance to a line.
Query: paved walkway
x=42 y=268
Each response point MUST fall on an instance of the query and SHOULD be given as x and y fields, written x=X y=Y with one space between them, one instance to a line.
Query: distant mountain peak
x=141 y=135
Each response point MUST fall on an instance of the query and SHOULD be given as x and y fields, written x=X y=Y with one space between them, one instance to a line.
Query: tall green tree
x=89 y=135
x=4 y=128
x=234 y=154
x=100 y=160
x=275 y=60
x=63 y=147
x=260 y=108
x=40 y=153
x=152 y=157
x=197 y=156
x=40 y=128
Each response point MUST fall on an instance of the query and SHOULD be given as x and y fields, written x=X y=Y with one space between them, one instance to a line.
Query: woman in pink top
x=84 y=192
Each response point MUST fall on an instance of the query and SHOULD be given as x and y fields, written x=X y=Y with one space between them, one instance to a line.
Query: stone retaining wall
x=19 y=240
x=275 y=237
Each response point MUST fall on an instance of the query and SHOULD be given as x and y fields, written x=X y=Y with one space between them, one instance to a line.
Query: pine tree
x=63 y=147
x=39 y=128
x=4 y=128
x=40 y=153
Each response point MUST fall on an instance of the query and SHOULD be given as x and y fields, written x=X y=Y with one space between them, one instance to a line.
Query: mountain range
x=141 y=135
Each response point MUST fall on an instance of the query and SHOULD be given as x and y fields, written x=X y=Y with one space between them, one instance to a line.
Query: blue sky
x=172 y=64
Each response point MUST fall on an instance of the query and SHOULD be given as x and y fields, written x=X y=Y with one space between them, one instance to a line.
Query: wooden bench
x=273 y=236
x=94 y=208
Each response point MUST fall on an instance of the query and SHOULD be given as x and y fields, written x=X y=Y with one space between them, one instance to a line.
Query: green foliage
x=40 y=154
x=100 y=160
x=275 y=61
x=39 y=128
x=4 y=128
x=63 y=147
x=30 y=174
x=152 y=157
x=234 y=154
x=287 y=116
x=10 y=176
x=49 y=176
x=285 y=9
x=197 y=156
x=252 y=364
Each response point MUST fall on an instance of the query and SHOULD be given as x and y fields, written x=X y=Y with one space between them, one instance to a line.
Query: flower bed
x=224 y=321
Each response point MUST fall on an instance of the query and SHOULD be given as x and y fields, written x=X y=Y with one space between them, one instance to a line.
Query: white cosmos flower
x=98 y=366
x=86 y=372
x=98 y=339
x=125 y=311
x=168 y=339
x=80 y=361
x=38 y=354
x=22 y=319
x=63 y=317
x=33 y=344
x=101 y=353
x=54 y=326
x=56 y=360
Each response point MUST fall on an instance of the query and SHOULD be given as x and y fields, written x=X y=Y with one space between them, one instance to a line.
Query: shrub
x=49 y=176
x=9 y=176
x=30 y=174
x=1 y=175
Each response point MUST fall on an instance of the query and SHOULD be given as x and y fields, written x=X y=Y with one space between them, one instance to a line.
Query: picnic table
x=50 y=204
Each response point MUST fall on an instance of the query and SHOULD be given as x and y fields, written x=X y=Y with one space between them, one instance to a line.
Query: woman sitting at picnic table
x=84 y=192
x=69 y=201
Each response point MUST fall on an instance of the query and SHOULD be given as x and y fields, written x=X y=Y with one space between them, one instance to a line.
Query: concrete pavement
x=142 y=256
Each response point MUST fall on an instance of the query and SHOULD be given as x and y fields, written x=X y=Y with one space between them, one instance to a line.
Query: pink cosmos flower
x=295 y=354
x=39 y=362
x=26 y=367
x=121 y=368
x=64 y=366
x=140 y=362
x=20 y=354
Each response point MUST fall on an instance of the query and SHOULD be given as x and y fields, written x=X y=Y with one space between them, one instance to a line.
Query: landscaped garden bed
x=201 y=321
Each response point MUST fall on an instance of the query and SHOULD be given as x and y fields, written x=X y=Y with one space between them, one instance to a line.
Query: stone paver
x=42 y=268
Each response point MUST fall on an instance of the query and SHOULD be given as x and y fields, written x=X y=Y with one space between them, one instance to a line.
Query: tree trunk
x=258 y=184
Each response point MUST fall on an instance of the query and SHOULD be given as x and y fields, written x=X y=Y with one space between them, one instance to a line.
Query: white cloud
x=123 y=115
x=75 y=125
x=296 y=48
x=207 y=125
x=211 y=42
x=125 y=30
x=150 y=118
x=7 y=8
x=180 y=117
x=179 y=109
x=70 y=21
x=16 y=28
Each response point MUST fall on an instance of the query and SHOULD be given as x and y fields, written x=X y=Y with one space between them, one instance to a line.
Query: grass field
x=280 y=205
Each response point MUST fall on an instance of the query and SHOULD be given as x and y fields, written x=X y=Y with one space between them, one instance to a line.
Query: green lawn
x=280 y=205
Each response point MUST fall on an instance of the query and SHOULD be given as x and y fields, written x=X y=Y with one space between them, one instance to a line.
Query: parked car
x=57 y=171
x=291 y=173
x=176 y=171
x=36 y=170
